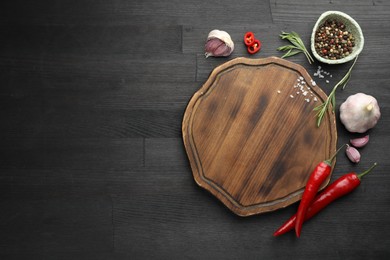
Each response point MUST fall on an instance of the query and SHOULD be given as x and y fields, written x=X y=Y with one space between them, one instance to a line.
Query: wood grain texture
x=303 y=10
x=138 y=12
x=92 y=164
x=249 y=132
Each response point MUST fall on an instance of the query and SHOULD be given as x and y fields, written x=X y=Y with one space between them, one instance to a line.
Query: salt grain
x=304 y=88
x=320 y=73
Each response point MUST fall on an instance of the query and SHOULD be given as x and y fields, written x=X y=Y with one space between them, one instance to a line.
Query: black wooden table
x=92 y=164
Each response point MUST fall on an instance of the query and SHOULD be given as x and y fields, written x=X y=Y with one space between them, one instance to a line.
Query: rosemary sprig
x=297 y=46
x=332 y=96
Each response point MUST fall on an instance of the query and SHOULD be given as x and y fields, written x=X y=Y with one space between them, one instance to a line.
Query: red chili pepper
x=340 y=187
x=249 y=38
x=317 y=177
x=255 y=47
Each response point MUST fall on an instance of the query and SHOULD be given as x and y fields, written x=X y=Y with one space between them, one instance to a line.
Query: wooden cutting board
x=251 y=137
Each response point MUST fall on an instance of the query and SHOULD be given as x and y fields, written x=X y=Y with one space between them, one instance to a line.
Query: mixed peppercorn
x=333 y=41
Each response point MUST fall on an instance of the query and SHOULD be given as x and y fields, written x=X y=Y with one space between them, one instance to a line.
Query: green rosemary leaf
x=296 y=35
x=293 y=52
x=348 y=75
x=284 y=35
x=297 y=38
x=297 y=43
x=319 y=107
x=319 y=120
x=332 y=96
x=286 y=48
x=333 y=102
x=286 y=54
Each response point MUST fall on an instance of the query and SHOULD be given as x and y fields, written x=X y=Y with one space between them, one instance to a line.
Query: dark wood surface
x=92 y=163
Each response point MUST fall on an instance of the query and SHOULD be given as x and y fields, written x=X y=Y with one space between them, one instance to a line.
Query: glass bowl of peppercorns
x=336 y=38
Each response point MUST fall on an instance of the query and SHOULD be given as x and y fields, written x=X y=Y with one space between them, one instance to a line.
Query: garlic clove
x=213 y=45
x=219 y=43
x=216 y=47
x=360 y=142
x=352 y=154
x=223 y=36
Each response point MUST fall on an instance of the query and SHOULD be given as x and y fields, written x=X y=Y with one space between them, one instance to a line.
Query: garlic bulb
x=359 y=113
x=219 y=43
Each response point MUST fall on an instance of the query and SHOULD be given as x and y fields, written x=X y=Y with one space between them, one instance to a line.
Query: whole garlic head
x=219 y=43
x=359 y=113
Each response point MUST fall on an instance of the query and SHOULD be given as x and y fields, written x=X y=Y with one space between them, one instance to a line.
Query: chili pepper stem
x=367 y=171
x=330 y=160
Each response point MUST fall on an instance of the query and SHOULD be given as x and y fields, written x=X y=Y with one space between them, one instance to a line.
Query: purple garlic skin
x=360 y=142
x=216 y=47
x=219 y=44
x=352 y=154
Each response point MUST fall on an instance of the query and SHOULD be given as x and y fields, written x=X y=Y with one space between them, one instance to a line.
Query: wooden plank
x=114 y=108
x=62 y=255
x=108 y=124
x=40 y=184
x=63 y=51
x=165 y=152
x=158 y=96
x=166 y=68
x=78 y=153
x=100 y=123
x=81 y=94
x=55 y=225
x=305 y=11
x=134 y=12
x=114 y=123
x=88 y=40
